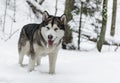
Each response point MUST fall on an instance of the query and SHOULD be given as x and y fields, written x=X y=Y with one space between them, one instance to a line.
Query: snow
x=85 y=66
x=71 y=67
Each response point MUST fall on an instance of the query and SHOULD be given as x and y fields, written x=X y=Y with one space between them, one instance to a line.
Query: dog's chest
x=39 y=50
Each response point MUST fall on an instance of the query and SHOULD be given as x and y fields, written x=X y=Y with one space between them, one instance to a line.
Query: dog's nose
x=50 y=37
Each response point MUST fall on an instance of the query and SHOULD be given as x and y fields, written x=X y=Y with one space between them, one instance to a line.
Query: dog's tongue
x=50 y=42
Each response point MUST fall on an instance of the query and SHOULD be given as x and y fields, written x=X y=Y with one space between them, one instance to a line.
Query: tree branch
x=41 y=2
x=12 y=34
x=95 y=39
x=35 y=6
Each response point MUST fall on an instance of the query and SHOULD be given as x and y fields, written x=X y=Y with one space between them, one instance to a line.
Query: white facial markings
x=54 y=30
x=51 y=31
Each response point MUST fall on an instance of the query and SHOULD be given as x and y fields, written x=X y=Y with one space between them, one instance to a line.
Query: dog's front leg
x=38 y=60
x=52 y=62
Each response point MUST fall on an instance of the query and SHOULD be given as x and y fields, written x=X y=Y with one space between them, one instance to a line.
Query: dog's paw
x=51 y=73
x=30 y=69
x=21 y=64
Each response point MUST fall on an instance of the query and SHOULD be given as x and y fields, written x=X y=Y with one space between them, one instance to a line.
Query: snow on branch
x=41 y=2
x=94 y=39
x=105 y=42
x=35 y=6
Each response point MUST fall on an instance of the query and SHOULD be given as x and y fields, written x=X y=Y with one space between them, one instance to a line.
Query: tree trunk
x=112 y=33
x=14 y=11
x=80 y=23
x=56 y=9
x=5 y=15
x=69 y=7
x=103 y=29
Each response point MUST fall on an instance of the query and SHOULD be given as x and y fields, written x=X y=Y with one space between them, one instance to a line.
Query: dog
x=38 y=40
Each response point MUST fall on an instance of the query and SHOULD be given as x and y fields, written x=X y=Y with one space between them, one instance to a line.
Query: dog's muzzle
x=50 y=40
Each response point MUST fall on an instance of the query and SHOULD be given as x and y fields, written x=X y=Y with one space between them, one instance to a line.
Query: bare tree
x=114 y=10
x=80 y=23
x=56 y=9
x=103 y=29
x=14 y=11
x=5 y=15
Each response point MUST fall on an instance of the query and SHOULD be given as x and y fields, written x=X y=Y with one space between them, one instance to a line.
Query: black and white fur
x=37 y=40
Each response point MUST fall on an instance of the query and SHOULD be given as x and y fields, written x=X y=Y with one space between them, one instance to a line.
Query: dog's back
x=29 y=30
x=27 y=34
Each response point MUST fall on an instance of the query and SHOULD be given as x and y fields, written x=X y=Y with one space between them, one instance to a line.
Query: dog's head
x=54 y=28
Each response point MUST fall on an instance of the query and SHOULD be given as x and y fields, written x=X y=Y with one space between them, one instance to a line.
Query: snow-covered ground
x=72 y=67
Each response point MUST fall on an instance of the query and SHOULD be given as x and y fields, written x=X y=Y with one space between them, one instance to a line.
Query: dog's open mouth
x=50 y=42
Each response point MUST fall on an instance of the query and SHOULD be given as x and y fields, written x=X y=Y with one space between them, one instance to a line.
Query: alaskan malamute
x=37 y=40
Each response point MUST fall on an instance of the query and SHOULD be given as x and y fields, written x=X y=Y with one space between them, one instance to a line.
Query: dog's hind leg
x=21 y=56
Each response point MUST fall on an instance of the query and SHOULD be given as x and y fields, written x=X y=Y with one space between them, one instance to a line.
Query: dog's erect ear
x=63 y=18
x=45 y=15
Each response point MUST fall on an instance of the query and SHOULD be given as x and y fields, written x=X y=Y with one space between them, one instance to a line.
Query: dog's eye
x=56 y=29
x=48 y=28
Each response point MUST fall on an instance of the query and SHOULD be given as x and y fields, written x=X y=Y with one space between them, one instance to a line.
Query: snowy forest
x=101 y=29
x=89 y=50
